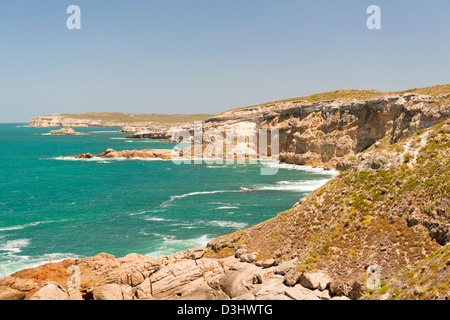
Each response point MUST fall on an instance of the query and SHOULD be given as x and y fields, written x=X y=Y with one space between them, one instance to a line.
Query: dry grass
x=434 y=91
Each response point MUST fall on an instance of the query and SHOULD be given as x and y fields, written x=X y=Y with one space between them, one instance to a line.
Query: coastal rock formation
x=324 y=129
x=130 y=154
x=161 y=131
x=66 y=131
x=316 y=131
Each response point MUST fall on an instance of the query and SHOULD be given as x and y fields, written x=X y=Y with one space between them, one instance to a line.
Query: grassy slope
x=433 y=91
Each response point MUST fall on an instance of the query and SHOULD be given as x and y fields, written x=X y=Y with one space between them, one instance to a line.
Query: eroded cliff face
x=325 y=133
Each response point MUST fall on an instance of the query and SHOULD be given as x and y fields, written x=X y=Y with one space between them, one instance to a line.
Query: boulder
x=240 y=252
x=8 y=293
x=144 y=290
x=24 y=284
x=238 y=282
x=268 y=263
x=293 y=276
x=315 y=280
x=113 y=291
x=339 y=288
x=285 y=266
x=51 y=291
x=357 y=291
x=248 y=257
x=195 y=253
x=84 y=156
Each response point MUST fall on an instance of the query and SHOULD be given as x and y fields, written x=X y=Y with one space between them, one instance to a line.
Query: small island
x=65 y=131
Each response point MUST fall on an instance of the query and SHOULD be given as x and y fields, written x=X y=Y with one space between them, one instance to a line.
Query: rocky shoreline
x=187 y=275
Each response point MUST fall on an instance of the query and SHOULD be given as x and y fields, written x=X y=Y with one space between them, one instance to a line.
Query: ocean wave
x=301 y=186
x=156 y=219
x=143 y=141
x=308 y=169
x=228 y=224
x=14 y=246
x=23 y=226
x=226 y=207
x=201 y=192
x=172 y=245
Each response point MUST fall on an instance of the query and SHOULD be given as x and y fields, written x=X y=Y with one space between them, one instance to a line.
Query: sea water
x=53 y=208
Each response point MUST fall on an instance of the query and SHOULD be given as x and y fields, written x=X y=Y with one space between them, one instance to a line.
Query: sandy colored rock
x=65 y=131
x=315 y=280
x=51 y=291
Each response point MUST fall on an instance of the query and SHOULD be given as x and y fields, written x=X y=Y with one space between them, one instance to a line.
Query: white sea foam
x=171 y=245
x=14 y=246
x=201 y=192
x=156 y=219
x=143 y=141
x=13 y=262
x=301 y=186
x=226 y=207
x=31 y=224
x=310 y=169
x=228 y=224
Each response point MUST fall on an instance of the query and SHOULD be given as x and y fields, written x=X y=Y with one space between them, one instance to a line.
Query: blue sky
x=207 y=56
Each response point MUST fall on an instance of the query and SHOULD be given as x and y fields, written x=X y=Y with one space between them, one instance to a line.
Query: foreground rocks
x=187 y=275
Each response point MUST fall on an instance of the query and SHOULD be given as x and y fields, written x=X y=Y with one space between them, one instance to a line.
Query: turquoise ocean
x=53 y=208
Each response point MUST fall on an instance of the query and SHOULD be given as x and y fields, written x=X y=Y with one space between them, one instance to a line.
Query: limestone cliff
x=323 y=129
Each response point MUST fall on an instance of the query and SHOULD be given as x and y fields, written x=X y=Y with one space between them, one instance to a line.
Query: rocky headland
x=389 y=207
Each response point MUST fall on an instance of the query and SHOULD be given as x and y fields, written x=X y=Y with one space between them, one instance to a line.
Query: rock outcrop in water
x=130 y=154
x=388 y=208
x=65 y=131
